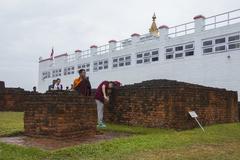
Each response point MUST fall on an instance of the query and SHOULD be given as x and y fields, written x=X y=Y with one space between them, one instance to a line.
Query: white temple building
x=205 y=51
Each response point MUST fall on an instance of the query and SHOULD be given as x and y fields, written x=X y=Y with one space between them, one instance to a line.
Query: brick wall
x=155 y=103
x=2 y=86
x=11 y=99
x=59 y=115
x=165 y=104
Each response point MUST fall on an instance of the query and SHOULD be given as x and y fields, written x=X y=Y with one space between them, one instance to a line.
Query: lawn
x=220 y=142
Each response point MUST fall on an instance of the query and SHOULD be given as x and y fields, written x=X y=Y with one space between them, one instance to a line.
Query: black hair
x=81 y=70
x=111 y=82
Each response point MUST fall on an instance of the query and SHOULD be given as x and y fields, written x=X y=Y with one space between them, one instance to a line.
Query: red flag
x=51 y=56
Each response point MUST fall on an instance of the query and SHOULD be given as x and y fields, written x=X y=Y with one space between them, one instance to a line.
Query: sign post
x=194 y=115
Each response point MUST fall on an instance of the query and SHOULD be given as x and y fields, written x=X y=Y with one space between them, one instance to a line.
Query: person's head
x=82 y=73
x=58 y=81
x=54 y=81
x=110 y=84
x=67 y=88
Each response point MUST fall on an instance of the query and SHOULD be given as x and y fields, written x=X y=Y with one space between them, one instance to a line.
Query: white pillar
x=135 y=37
x=163 y=32
x=199 y=23
x=112 y=45
x=93 y=50
x=78 y=54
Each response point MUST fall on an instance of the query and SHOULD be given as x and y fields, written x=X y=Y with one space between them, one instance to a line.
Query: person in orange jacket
x=82 y=84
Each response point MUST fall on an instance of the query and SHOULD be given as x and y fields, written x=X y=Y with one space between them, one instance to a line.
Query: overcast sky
x=29 y=28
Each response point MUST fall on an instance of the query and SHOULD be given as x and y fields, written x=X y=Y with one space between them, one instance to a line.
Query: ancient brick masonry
x=11 y=99
x=59 y=115
x=165 y=104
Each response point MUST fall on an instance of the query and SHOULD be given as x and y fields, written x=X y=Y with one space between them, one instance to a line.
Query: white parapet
x=199 y=23
x=163 y=31
x=93 y=50
x=135 y=37
x=112 y=45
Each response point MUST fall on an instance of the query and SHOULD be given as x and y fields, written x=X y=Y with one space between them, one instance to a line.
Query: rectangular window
x=189 y=46
x=207 y=43
x=122 y=61
x=147 y=54
x=233 y=38
x=85 y=66
x=169 y=50
x=155 y=59
x=127 y=63
x=115 y=65
x=179 y=48
x=146 y=60
x=220 y=48
x=169 y=56
x=68 y=70
x=155 y=56
x=121 y=64
x=56 y=72
x=154 y=53
x=219 y=40
x=180 y=51
x=223 y=44
x=46 y=75
x=147 y=57
x=178 y=55
x=139 y=61
x=139 y=55
x=207 y=50
x=234 y=46
x=100 y=65
x=128 y=58
x=189 y=53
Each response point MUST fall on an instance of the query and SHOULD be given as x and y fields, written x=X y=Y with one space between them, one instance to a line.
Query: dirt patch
x=53 y=144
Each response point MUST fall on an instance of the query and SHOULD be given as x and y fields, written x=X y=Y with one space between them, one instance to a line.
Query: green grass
x=11 y=123
x=220 y=142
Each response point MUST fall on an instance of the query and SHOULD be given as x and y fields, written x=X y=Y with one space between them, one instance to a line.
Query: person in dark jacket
x=82 y=84
x=51 y=86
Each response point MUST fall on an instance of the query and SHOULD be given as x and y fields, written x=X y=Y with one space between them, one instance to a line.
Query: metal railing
x=212 y=22
x=102 y=49
x=147 y=37
x=222 y=19
x=83 y=54
x=180 y=30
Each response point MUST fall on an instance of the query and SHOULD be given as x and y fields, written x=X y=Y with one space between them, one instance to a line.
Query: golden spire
x=154 y=29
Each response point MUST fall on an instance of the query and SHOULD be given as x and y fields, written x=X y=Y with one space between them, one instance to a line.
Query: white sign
x=193 y=114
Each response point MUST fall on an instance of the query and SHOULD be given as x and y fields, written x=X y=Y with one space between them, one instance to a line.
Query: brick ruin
x=60 y=115
x=165 y=104
x=155 y=103
x=11 y=99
